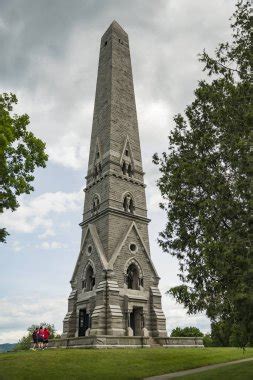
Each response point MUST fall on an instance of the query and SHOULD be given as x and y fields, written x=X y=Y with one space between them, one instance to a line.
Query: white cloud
x=55 y=83
x=47 y=233
x=69 y=151
x=176 y=316
x=18 y=313
x=52 y=245
x=37 y=213
x=12 y=336
x=154 y=200
x=16 y=246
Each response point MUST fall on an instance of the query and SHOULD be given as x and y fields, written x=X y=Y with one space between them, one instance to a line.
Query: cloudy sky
x=49 y=57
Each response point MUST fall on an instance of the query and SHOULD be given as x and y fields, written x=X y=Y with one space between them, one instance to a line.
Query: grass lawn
x=110 y=363
x=234 y=372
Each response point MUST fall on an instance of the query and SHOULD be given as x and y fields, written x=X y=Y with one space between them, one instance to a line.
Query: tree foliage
x=221 y=332
x=186 y=331
x=207 y=340
x=20 y=153
x=206 y=184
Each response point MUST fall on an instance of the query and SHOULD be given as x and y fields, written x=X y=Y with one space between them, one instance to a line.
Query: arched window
x=129 y=170
x=132 y=277
x=124 y=168
x=95 y=204
x=89 y=278
x=128 y=204
x=97 y=169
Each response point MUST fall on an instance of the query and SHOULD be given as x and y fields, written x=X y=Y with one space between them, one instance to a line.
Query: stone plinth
x=107 y=341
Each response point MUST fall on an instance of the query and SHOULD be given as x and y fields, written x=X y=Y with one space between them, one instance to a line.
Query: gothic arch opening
x=97 y=170
x=124 y=168
x=95 y=204
x=129 y=170
x=89 y=278
x=132 y=277
x=128 y=203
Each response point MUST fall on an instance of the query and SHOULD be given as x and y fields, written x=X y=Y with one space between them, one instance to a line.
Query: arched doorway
x=136 y=320
x=84 y=322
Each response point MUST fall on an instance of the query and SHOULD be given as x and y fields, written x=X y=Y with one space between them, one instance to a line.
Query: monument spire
x=115 y=110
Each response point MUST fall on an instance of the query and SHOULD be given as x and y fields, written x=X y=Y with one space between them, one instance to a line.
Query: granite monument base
x=105 y=341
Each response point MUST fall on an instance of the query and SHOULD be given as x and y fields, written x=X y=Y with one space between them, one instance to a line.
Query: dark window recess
x=95 y=205
x=90 y=278
x=128 y=204
x=124 y=168
x=89 y=248
x=97 y=154
x=97 y=169
x=126 y=152
x=133 y=247
x=133 y=277
x=105 y=43
x=129 y=170
x=84 y=322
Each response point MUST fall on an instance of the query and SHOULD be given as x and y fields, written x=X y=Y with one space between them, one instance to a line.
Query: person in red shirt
x=40 y=337
x=46 y=334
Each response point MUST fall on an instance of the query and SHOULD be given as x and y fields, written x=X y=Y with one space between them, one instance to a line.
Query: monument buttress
x=114 y=284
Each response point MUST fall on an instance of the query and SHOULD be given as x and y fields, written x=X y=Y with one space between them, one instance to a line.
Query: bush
x=207 y=340
x=186 y=331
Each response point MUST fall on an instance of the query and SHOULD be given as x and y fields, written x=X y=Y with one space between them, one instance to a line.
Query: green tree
x=206 y=183
x=221 y=332
x=20 y=153
x=207 y=340
x=25 y=342
x=186 y=331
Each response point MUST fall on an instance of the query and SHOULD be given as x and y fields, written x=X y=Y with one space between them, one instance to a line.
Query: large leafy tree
x=206 y=183
x=20 y=153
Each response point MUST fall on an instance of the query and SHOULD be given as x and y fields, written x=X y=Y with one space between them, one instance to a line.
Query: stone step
x=153 y=343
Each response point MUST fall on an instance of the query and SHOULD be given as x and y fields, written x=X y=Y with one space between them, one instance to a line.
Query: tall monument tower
x=114 y=284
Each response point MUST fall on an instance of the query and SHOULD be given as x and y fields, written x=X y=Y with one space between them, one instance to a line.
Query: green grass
x=242 y=371
x=111 y=363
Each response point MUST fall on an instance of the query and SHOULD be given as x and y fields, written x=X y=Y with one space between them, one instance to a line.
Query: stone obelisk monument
x=115 y=284
x=115 y=300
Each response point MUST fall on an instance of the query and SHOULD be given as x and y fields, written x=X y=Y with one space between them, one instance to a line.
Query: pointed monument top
x=115 y=26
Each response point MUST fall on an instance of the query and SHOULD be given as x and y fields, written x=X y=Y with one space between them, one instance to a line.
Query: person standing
x=46 y=334
x=35 y=338
x=41 y=337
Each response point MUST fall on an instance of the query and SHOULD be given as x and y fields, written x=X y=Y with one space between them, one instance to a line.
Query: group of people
x=40 y=338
